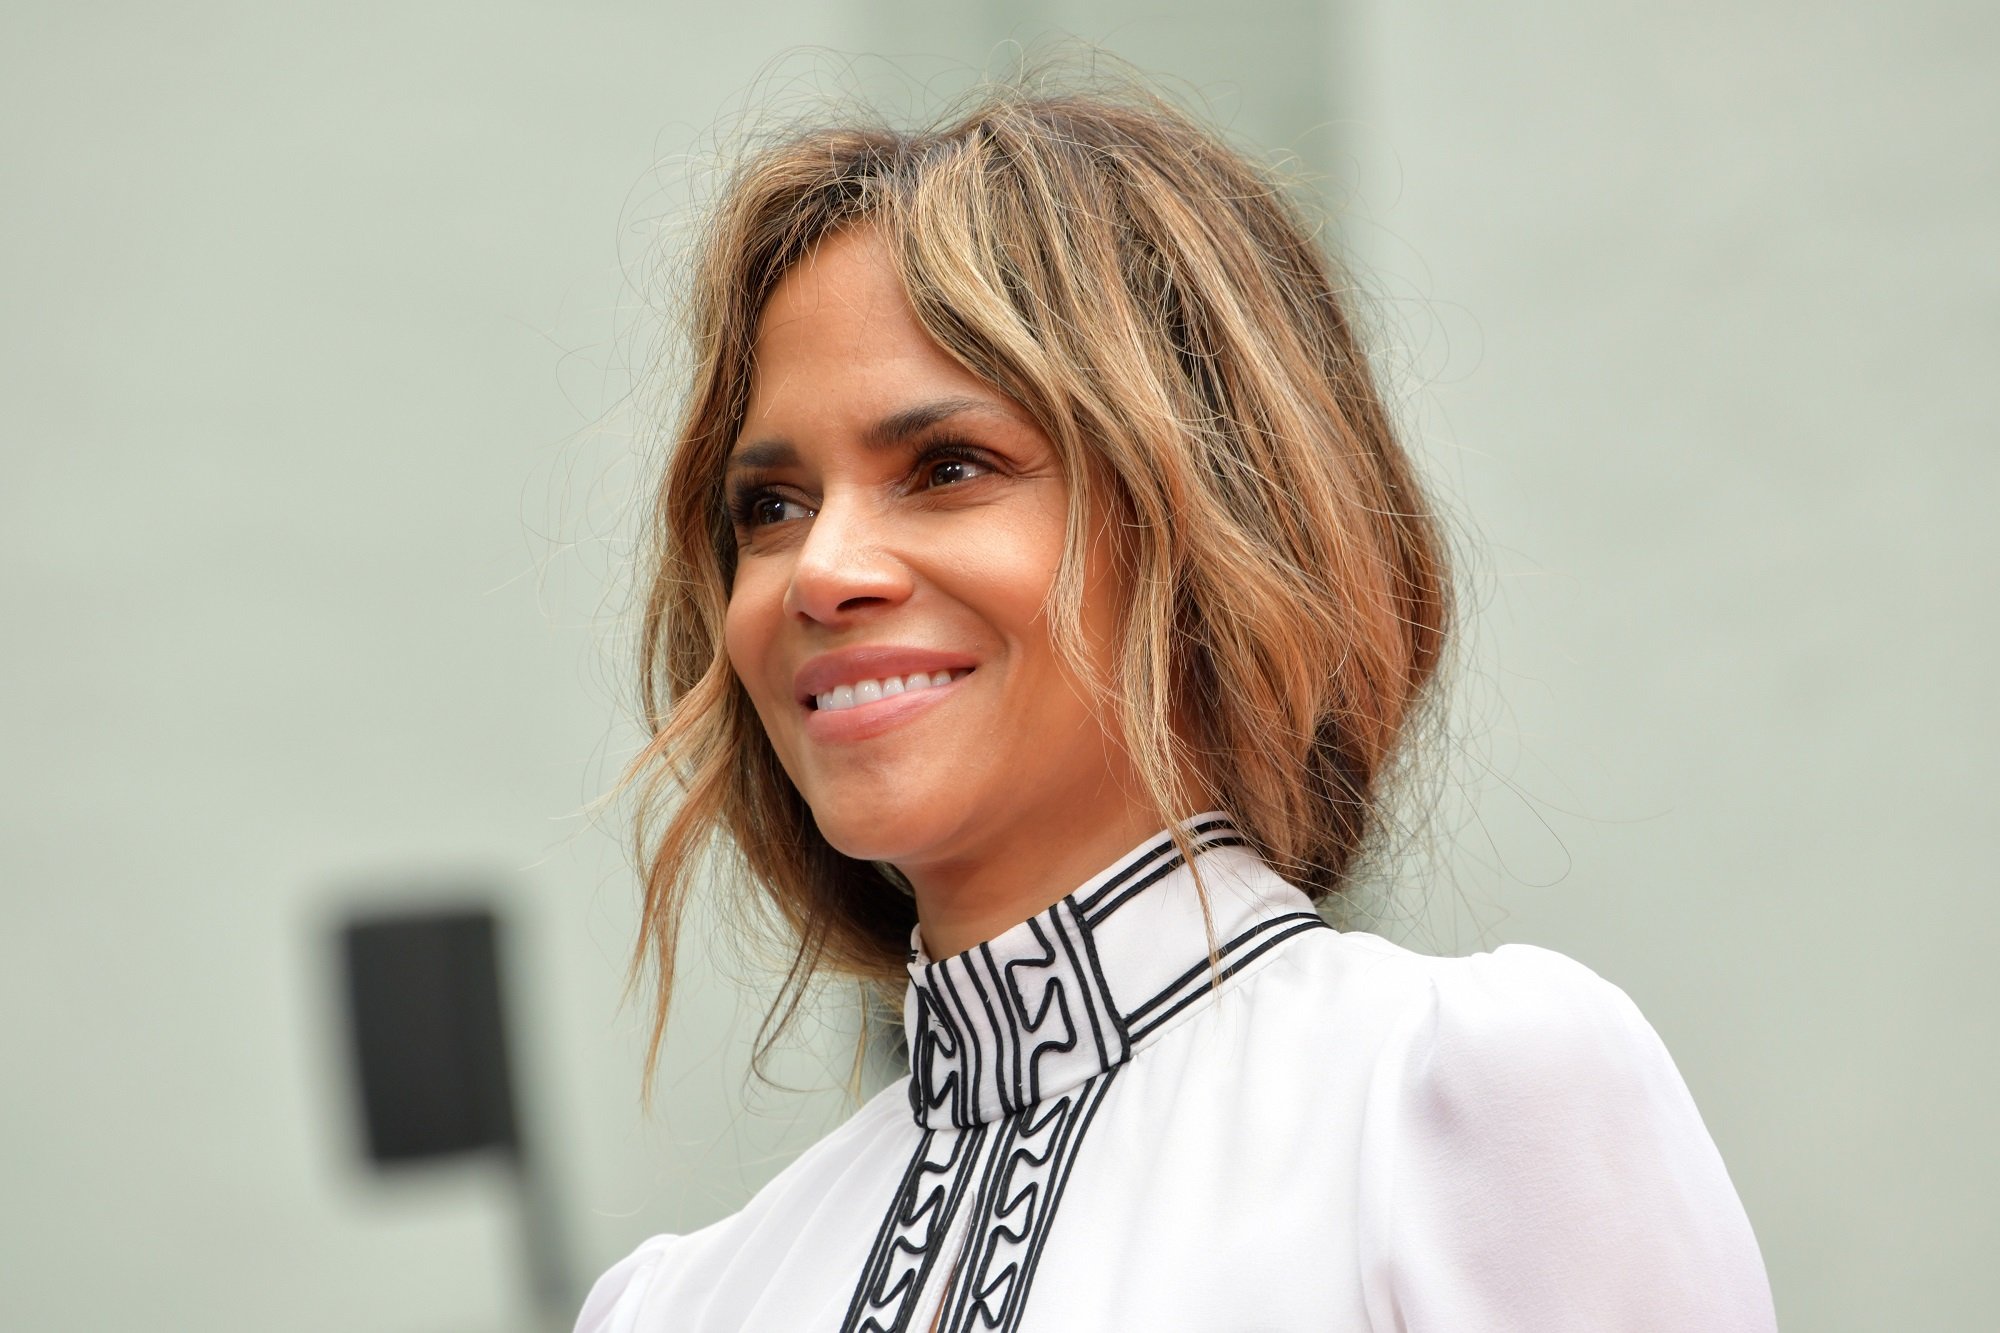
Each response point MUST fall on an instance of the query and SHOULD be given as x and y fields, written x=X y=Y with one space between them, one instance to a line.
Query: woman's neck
x=967 y=901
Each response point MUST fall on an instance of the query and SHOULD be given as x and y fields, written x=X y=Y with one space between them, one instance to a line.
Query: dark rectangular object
x=429 y=1037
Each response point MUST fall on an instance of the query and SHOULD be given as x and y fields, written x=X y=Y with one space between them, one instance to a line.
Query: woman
x=1033 y=493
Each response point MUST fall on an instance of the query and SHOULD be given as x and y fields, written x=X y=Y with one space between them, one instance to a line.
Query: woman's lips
x=862 y=721
x=865 y=662
x=864 y=692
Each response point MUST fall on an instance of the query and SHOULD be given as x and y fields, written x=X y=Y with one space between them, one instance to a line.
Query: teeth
x=869 y=691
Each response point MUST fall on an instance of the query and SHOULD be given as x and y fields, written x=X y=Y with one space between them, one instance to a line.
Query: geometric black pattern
x=1026 y=1172
x=987 y=1031
x=1010 y=1059
x=1022 y=1164
x=1035 y=1006
x=913 y=1233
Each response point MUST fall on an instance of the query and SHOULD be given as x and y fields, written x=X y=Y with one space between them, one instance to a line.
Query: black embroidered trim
x=1034 y=1007
x=913 y=1231
x=1146 y=869
x=1017 y=1201
x=1198 y=980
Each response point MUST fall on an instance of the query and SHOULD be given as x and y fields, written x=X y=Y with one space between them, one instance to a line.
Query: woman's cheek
x=746 y=638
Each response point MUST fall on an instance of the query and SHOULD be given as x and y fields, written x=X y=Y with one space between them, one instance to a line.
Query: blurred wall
x=316 y=492
x=1703 y=300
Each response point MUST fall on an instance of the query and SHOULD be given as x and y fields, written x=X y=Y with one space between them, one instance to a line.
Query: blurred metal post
x=432 y=1066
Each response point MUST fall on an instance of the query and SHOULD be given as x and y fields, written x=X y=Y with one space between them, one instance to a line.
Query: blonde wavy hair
x=1160 y=307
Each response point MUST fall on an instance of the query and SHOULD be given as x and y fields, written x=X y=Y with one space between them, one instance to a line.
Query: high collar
x=1074 y=991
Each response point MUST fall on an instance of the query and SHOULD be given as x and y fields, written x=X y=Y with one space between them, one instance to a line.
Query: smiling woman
x=900 y=523
x=1041 y=603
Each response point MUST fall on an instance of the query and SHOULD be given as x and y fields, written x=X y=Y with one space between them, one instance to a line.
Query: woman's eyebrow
x=900 y=426
x=764 y=454
x=887 y=433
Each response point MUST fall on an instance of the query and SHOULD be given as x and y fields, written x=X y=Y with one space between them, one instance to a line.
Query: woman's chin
x=879 y=832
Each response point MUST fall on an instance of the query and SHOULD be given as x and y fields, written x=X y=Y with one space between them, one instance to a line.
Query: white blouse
x=1342 y=1134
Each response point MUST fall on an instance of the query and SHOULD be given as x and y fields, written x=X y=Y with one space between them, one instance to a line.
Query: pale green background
x=316 y=491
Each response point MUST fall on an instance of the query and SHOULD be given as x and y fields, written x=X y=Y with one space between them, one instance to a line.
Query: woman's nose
x=845 y=566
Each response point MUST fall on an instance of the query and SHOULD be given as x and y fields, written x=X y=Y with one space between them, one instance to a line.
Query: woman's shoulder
x=1518 y=1084
x=1487 y=1040
x=613 y=1302
x=673 y=1270
x=1519 y=1006
x=1516 y=1005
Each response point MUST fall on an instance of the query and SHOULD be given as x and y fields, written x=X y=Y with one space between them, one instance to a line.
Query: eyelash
x=746 y=496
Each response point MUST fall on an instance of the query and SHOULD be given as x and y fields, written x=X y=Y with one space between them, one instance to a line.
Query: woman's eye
x=950 y=471
x=768 y=507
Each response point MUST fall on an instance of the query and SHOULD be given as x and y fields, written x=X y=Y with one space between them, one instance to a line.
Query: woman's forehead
x=838 y=347
x=849 y=278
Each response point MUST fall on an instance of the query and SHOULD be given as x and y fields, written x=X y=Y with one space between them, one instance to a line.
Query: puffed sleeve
x=613 y=1303
x=1532 y=1160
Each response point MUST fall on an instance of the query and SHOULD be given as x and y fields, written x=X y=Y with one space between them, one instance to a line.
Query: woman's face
x=898 y=525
